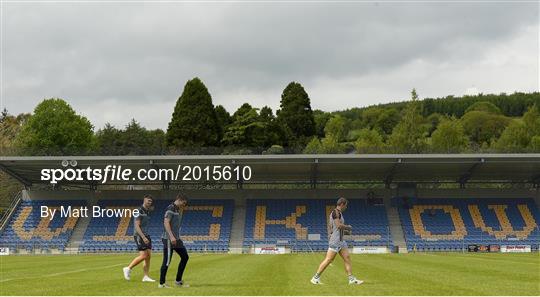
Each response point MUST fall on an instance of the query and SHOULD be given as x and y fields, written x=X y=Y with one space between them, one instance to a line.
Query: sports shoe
x=163 y=286
x=181 y=284
x=316 y=281
x=146 y=278
x=354 y=281
x=127 y=273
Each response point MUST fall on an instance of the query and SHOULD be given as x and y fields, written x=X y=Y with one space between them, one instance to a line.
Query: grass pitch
x=222 y=274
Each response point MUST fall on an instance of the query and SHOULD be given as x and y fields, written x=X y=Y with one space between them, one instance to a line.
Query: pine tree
x=223 y=119
x=295 y=116
x=194 y=123
x=408 y=135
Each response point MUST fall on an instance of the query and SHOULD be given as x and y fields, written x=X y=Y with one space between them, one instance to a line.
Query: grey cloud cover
x=114 y=62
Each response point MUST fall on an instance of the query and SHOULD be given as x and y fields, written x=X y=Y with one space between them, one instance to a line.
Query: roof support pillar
x=166 y=184
x=240 y=181
x=389 y=176
x=536 y=181
x=314 y=174
x=465 y=177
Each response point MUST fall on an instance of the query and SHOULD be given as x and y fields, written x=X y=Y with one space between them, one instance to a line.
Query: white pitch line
x=59 y=273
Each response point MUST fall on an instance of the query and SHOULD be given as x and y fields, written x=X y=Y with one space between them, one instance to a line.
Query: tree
x=137 y=140
x=369 y=141
x=295 y=116
x=252 y=130
x=532 y=123
x=532 y=120
x=387 y=120
x=223 y=119
x=194 y=124
x=109 y=141
x=336 y=127
x=321 y=118
x=408 y=135
x=511 y=105
x=330 y=145
x=55 y=129
x=313 y=146
x=10 y=127
x=274 y=150
x=483 y=127
x=246 y=130
x=382 y=119
x=157 y=142
x=243 y=109
x=535 y=144
x=133 y=140
x=3 y=115
x=484 y=106
x=514 y=139
x=433 y=120
x=273 y=134
x=520 y=135
x=449 y=137
x=370 y=117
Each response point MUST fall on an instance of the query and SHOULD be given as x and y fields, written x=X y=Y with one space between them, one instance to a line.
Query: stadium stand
x=452 y=224
x=302 y=223
x=287 y=201
x=429 y=224
x=206 y=226
x=28 y=230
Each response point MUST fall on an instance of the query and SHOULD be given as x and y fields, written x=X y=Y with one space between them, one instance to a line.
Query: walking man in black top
x=172 y=242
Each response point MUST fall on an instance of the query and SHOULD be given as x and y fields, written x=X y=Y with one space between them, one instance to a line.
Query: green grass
x=222 y=274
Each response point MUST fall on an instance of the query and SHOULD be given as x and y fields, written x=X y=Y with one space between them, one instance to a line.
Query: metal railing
x=11 y=209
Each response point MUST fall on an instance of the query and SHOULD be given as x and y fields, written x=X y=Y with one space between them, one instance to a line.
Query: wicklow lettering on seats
x=507 y=230
x=289 y=222
x=121 y=234
x=42 y=230
x=459 y=231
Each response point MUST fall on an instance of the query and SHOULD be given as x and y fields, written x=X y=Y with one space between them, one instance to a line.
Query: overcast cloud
x=114 y=62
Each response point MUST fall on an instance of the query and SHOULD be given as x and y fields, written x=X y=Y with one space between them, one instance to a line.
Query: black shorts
x=141 y=246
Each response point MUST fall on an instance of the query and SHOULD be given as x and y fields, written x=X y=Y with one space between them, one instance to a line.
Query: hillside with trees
x=471 y=124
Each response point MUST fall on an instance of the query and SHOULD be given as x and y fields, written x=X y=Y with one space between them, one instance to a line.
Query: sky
x=116 y=61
